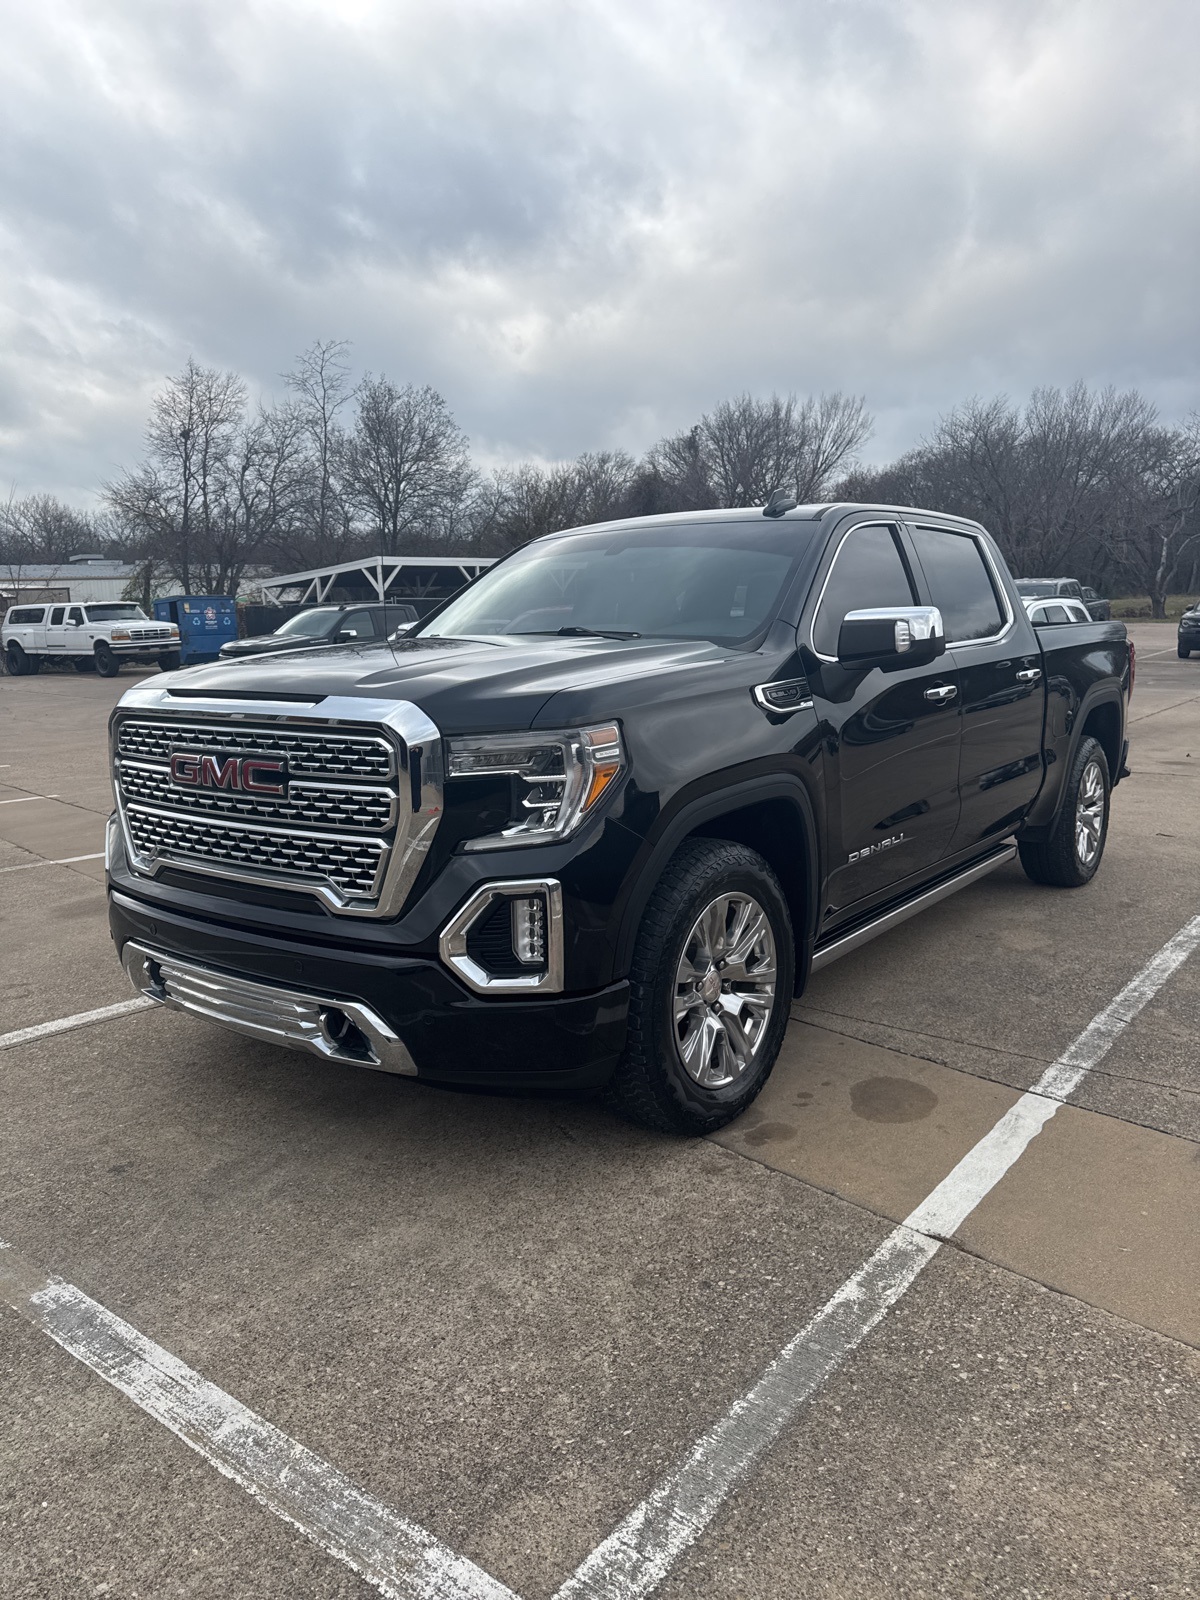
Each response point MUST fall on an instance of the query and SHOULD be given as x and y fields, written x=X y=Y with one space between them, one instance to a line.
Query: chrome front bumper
x=337 y=1030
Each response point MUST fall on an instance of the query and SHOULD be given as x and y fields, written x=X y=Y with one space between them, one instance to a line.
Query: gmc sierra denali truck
x=597 y=820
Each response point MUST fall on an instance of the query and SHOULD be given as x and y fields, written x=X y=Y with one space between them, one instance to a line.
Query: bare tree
x=1154 y=516
x=323 y=529
x=746 y=447
x=406 y=462
x=216 y=483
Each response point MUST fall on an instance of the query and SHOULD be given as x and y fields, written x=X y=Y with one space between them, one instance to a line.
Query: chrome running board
x=830 y=953
x=338 y=1030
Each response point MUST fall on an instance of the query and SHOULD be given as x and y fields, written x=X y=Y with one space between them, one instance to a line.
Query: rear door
x=891 y=738
x=1000 y=682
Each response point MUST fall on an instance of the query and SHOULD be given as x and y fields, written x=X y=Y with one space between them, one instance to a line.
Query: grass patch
x=1136 y=607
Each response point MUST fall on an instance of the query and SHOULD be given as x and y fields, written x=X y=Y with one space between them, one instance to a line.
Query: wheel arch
x=773 y=816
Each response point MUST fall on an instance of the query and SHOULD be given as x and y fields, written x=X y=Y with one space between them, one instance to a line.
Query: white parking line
x=398 y=1557
x=636 y=1557
x=409 y=1563
x=43 y=1030
x=62 y=861
x=26 y=798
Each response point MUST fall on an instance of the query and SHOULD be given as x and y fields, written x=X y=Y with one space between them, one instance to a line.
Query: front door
x=56 y=631
x=891 y=738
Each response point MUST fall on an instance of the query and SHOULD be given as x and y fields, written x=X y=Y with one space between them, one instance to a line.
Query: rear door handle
x=941 y=694
x=1029 y=675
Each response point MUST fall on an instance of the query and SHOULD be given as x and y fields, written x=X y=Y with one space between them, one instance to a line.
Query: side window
x=960 y=583
x=867 y=571
x=56 y=616
x=363 y=624
x=75 y=614
x=1058 y=614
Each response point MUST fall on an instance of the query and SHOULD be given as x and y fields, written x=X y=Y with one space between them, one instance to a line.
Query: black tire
x=651 y=1085
x=107 y=664
x=1184 y=651
x=84 y=663
x=16 y=663
x=168 y=661
x=1061 y=860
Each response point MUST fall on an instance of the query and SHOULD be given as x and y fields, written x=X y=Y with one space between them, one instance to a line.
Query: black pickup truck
x=597 y=820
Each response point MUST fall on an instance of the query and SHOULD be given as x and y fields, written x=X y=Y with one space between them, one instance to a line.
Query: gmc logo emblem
x=265 y=775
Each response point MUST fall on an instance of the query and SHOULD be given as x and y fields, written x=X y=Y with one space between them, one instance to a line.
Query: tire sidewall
x=107 y=663
x=1089 y=750
x=720 y=1105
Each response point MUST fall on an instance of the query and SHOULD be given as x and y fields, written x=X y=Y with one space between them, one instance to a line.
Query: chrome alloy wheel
x=1089 y=814
x=724 y=990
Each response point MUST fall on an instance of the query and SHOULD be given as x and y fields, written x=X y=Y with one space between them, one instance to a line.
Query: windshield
x=309 y=624
x=116 y=613
x=1036 y=588
x=717 y=580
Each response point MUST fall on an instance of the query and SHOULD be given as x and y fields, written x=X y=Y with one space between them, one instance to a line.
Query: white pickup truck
x=98 y=637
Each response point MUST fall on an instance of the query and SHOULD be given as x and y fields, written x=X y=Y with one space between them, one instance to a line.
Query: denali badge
x=265 y=775
x=874 y=849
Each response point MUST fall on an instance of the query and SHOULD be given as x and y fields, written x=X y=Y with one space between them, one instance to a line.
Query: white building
x=82 y=578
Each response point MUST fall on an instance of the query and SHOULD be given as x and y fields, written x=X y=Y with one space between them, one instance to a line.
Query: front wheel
x=1184 y=652
x=107 y=664
x=16 y=662
x=710 y=991
x=1069 y=858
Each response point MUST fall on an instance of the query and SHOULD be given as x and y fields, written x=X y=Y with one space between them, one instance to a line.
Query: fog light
x=529 y=930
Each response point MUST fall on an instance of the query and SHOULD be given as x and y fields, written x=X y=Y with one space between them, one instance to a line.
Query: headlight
x=558 y=779
x=120 y=636
x=173 y=631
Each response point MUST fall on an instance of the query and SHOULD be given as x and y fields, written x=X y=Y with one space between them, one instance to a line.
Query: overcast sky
x=586 y=221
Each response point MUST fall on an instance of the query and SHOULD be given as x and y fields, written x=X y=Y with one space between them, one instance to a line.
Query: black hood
x=465 y=685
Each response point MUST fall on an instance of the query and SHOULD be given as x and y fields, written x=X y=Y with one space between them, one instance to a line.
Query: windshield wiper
x=590 y=633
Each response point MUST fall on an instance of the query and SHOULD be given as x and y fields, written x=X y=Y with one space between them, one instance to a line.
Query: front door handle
x=1029 y=675
x=943 y=693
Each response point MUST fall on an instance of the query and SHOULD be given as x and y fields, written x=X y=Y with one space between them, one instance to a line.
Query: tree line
x=1081 y=482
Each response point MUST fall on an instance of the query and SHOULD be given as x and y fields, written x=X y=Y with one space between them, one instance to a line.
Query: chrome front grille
x=357 y=811
x=349 y=806
x=149 y=633
x=318 y=754
x=352 y=866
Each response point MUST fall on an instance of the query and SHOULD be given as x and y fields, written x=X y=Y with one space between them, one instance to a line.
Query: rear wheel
x=1069 y=858
x=107 y=664
x=710 y=991
x=168 y=661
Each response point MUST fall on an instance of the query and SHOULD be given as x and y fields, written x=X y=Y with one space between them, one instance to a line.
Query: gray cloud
x=587 y=220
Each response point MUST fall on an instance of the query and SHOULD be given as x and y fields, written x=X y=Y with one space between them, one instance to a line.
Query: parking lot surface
x=510 y=1319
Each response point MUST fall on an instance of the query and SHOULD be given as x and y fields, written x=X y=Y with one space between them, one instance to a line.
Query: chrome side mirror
x=891 y=636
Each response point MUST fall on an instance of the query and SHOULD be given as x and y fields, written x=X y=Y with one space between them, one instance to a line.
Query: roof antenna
x=780 y=502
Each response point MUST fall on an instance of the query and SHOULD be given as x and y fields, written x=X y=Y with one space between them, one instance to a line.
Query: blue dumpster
x=205 y=622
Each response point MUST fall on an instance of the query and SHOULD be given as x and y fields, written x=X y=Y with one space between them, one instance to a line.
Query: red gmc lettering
x=185 y=768
x=216 y=774
x=262 y=777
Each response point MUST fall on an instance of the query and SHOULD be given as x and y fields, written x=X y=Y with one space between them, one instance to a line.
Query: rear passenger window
x=1056 y=614
x=960 y=584
x=57 y=615
x=867 y=571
